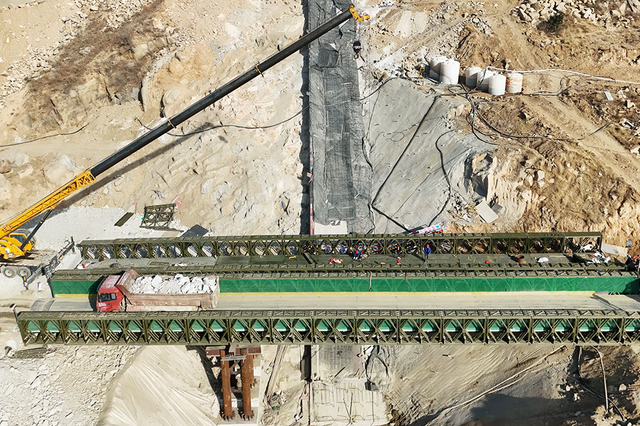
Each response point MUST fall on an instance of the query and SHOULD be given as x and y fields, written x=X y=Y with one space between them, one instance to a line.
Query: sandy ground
x=108 y=69
x=180 y=395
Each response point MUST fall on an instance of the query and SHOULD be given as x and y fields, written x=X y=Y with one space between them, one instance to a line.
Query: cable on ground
x=594 y=77
x=43 y=137
x=444 y=172
x=236 y=126
x=476 y=112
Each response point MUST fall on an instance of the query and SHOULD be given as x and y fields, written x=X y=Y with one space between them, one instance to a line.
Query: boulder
x=16 y=158
x=26 y=171
x=5 y=166
x=5 y=188
x=61 y=170
x=171 y=100
x=175 y=67
x=91 y=91
x=140 y=51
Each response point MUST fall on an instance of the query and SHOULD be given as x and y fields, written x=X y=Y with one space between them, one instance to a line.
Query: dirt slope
x=566 y=159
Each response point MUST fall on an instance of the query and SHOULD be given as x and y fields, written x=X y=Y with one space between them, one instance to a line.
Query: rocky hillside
x=566 y=158
x=89 y=95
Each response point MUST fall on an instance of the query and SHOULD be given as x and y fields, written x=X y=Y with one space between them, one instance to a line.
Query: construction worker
x=398 y=261
x=427 y=251
x=357 y=49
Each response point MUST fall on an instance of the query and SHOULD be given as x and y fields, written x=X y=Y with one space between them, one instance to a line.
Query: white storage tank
x=450 y=72
x=471 y=76
x=434 y=66
x=497 y=84
x=514 y=82
x=483 y=80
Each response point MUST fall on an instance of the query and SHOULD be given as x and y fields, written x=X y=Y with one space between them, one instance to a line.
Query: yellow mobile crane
x=15 y=242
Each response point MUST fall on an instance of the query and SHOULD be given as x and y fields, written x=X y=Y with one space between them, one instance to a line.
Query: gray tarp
x=341 y=187
x=409 y=186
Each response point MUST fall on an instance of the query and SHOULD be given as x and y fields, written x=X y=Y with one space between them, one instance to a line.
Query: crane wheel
x=9 y=271
x=24 y=272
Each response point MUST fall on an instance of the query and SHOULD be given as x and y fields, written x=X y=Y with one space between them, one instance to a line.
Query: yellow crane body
x=12 y=241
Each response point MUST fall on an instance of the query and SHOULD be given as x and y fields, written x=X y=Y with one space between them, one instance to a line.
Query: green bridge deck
x=314 y=274
x=277 y=327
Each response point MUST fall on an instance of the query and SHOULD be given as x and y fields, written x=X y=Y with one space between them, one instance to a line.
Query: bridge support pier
x=236 y=356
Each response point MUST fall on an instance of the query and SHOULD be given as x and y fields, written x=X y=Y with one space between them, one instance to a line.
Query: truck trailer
x=117 y=293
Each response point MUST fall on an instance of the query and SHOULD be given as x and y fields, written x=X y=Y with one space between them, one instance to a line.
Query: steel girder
x=360 y=270
x=158 y=217
x=339 y=244
x=359 y=327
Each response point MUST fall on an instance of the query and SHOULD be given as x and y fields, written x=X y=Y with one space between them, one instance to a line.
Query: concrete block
x=615 y=250
x=485 y=212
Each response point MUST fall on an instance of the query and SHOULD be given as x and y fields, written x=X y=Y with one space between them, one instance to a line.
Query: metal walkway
x=354 y=269
x=292 y=245
x=361 y=327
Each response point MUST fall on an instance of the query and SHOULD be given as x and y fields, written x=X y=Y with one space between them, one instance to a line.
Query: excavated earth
x=80 y=79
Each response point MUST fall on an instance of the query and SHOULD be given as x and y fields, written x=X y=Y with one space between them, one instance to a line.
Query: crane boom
x=15 y=244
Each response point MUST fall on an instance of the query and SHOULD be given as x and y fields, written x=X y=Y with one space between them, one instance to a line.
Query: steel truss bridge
x=281 y=258
x=358 y=327
x=292 y=245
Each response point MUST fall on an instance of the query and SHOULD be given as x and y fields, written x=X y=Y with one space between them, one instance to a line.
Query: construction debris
x=123 y=219
x=598 y=257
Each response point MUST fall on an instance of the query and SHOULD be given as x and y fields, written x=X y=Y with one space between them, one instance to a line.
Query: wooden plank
x=124 y=219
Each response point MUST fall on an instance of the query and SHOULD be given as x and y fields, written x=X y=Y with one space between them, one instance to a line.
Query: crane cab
x=10 y=245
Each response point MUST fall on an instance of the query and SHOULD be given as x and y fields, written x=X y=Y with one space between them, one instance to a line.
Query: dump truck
x=118 y=293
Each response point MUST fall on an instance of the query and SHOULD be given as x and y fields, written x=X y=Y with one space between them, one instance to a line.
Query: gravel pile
x=615 y=12
x=65 y=387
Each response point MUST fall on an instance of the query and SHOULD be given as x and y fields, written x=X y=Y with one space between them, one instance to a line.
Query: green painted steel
x=75 y=287
x=371 y=244
x=409 y=280
x=361 y=327
x=614 y=284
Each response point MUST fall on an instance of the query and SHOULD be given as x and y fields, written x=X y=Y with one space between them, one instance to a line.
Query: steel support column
x=249 y=361
x=246 y=375
x=225 y=376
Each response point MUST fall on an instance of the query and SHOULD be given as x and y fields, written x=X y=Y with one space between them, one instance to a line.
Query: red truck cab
x=110 y=298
